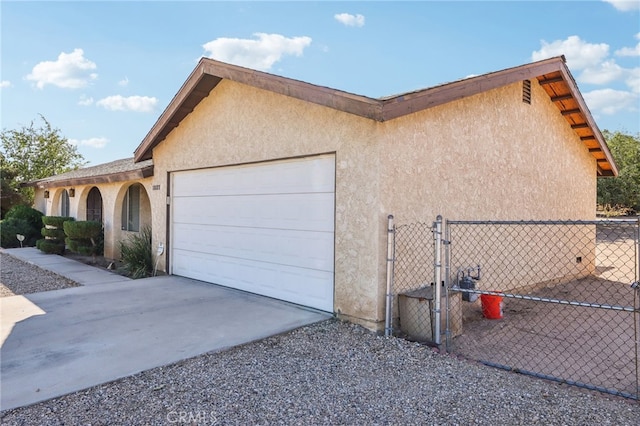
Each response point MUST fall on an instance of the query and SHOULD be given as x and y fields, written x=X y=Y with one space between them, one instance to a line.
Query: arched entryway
x=94 y=205
x=136 y=208
x=64 y=203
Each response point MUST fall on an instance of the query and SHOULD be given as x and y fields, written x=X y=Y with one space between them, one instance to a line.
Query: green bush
x=32 y=216
x=85 y=237
x=50 y=246
x=56 y=221
x=53 y=233
x=137 y=254
x=23 y=220
x=82 y=229
x=12 y=226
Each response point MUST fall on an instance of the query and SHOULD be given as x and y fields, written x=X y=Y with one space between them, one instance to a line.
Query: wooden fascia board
x=94 y=180
x=413 y=102
x=167 y=120
x=573 y=87
x=336 y=99
x=216 y=71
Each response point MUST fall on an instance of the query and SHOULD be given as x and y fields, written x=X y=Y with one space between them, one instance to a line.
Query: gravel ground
x=18 y=277
x=328 y=373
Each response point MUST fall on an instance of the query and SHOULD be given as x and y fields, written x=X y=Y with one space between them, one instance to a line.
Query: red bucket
x=491 y=306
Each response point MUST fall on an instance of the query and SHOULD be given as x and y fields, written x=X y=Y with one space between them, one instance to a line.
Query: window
x=131 y=209
x=94 y=205
x=64 y=203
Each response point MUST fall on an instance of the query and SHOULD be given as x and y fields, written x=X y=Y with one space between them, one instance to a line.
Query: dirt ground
x=98 y=262
x=596 y=345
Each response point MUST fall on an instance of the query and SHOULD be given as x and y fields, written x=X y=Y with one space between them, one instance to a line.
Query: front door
x=94 y=205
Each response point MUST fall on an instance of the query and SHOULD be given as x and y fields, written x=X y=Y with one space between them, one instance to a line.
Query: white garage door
x=265 y=228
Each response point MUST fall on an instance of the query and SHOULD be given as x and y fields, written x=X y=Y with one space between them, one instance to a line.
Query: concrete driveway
x=62 y=341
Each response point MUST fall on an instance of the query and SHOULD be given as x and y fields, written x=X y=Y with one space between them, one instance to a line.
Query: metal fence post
x=388 y=326
x=437 y=279
x=447 y=283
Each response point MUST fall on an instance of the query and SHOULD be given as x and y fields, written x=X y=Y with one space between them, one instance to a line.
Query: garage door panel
x=263 y=245
x=265 y=228
x=292 y=176
x=283 y=211
x=310 y=288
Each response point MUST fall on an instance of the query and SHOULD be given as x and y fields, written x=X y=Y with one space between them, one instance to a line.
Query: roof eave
x=138 y=174
x=208 y=73
x=400 y=105
x=591 y=122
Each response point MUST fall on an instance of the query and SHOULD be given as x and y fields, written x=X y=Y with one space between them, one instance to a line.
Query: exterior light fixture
x=72 y=192
x=46 y=194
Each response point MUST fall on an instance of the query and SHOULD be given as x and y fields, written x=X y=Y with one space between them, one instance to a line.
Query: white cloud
x=92 y=142
x=85 y=101
x=625 y=5
x=258 y=54
x=124 y=82
x=69 y=71
x=350 y=20
x=579 y=54
x=603 y=73
x=131 y=103
x=5 y=83
x=610 y=101
x=596 y=67
x=630 y=51
x=633 y=80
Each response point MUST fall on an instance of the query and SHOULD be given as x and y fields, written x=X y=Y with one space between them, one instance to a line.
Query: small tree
x=83 y=237
x=21 y=220
x=53 y=233
x=624 y=190
x=10 y=194
x=32 y=153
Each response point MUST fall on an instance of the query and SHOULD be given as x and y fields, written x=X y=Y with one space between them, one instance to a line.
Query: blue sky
x=103 y=72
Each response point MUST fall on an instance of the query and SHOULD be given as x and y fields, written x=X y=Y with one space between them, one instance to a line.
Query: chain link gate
x=553 y=299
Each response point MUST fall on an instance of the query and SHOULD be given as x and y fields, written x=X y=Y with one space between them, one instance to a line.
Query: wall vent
x=526 y=91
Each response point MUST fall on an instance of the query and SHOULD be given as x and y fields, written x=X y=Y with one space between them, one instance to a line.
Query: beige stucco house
x=283 y=188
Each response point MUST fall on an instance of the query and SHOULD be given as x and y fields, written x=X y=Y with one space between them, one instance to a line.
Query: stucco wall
x=112 y=198
x=493 y=157
x=489 y=156
x=237 y=124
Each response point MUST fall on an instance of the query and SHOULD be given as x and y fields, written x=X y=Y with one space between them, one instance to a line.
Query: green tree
x=31 y=153
x=9 y=192
x=623 y=190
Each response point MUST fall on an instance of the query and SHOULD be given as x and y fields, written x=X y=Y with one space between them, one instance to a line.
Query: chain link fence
x=557 y=300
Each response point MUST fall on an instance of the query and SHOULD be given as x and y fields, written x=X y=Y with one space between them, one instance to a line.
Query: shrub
x=53 y=233
x=85 y=237
x=50 y=246
x=10 y=227
x=23 y=220
x=56 y=221
x=82 y=229
x=33 y=216
x=137 y=254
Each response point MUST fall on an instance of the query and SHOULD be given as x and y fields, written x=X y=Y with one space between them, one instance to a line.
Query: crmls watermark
x=191 y=417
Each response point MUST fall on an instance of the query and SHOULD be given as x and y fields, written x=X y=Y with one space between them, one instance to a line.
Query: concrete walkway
x=62 y=341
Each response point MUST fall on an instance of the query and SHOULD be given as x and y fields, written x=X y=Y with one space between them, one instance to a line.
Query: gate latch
x=635 y=285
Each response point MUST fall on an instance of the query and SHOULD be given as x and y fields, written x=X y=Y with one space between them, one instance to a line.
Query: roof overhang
x=552 y=74
x=141 y=173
